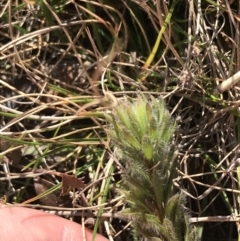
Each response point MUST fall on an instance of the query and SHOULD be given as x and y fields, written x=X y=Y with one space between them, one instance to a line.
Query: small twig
x=215 y=219
x=227 y=84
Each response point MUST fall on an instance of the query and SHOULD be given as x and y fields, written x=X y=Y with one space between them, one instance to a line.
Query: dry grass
x=59 y=60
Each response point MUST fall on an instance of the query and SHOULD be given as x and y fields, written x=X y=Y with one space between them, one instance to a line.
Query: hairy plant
x=142 y=132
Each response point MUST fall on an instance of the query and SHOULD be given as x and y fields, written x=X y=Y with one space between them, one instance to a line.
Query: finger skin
x=25 y=224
